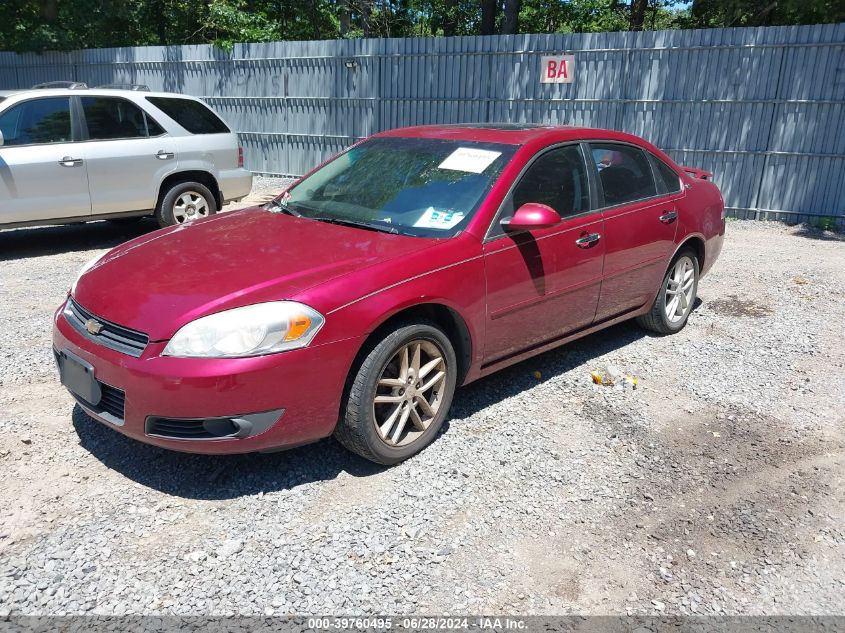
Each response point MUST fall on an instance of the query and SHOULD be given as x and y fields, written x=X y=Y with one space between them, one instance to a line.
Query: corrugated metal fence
x=764 y=109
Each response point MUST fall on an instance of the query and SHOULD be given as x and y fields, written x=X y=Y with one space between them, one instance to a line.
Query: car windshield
x=413 y=186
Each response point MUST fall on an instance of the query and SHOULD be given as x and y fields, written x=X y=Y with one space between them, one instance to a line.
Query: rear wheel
x=677 y=294
x=185 y=202
x=400 y=394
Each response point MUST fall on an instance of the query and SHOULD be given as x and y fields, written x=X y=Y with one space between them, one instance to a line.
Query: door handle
x=668 y=217
x=162 y=155
x=588 y=240
x=67 y=161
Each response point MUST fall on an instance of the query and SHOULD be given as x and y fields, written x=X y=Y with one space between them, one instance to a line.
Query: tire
x=361 y=417
x=658 y=319
x=184 y=202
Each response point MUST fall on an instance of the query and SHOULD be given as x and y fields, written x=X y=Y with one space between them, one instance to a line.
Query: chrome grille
x=109 y=335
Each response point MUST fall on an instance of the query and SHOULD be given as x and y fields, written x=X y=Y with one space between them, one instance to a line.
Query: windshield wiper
x=277 y=205
x=361 y=225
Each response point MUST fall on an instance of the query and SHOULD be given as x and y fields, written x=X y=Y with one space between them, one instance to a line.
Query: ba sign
x=557 y=69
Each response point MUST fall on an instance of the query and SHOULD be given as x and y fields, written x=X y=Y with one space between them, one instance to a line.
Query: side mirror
x=530 y=216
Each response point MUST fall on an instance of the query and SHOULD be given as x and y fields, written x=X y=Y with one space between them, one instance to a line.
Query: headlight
x=263 y=328
x=88 y=266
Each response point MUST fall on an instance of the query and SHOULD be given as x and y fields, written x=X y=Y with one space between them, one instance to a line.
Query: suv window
x=37 y=121
x=666 y=176
x=112 y=118
x=624 y=173
x=558 y=179
x=192 y=115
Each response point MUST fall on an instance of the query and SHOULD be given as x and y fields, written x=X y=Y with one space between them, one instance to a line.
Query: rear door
x=640 y=225
x=128 y=155
x=544 y=284
x=42 y=173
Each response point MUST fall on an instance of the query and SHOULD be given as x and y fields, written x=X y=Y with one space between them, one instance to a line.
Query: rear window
x=192 y=115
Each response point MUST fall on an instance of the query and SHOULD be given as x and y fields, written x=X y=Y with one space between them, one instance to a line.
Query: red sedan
x=357 y=301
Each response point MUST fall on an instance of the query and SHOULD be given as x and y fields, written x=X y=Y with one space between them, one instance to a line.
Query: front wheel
x=185 y=202
x=674 y=302
x=400 y=395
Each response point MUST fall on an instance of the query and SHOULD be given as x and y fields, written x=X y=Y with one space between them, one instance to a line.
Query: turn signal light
x=298 y=326
x=240 y=156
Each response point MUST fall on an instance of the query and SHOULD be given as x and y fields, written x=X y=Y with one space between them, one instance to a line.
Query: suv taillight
x=240 y=156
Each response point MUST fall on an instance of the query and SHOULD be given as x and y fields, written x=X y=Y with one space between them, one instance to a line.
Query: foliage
x=39 y=25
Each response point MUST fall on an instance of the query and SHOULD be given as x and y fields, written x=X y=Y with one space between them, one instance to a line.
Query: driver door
x=42 y=173
x=544 y=284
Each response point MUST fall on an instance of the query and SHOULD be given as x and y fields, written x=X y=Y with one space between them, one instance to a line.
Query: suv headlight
x=263 y=328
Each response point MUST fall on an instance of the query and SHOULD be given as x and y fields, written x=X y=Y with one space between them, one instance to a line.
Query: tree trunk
x=638 y=8
x=450 y=17
x=160 y=18
x=50 y=10
x=366 y=14
x=488 y=17
x=511 y=23
x=344 y=17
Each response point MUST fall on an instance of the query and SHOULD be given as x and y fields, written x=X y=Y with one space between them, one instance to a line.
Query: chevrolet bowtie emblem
x=93 y=326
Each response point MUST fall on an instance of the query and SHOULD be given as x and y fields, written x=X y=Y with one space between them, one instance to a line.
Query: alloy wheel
x=190 y=206
x=409 y=392
x=680 y=289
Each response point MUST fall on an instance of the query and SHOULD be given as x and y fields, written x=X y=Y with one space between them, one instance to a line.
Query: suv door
x=128 y=155
x=640 y=225
x=42 y=174
x=544 y=284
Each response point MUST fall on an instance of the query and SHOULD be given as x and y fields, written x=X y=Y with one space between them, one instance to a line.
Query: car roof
x=98 y=92
x=509 y=133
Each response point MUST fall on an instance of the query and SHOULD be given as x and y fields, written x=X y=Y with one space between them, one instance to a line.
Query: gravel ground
x=716 y=486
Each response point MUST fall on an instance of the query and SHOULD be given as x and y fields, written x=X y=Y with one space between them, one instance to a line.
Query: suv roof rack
x=70 y=85
x=134 y=87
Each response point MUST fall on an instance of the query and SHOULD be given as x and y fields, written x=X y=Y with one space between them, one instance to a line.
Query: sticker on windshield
x=469 y=159
x=434 y=219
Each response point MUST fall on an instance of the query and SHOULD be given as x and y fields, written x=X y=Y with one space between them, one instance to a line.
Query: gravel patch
x=713 y=487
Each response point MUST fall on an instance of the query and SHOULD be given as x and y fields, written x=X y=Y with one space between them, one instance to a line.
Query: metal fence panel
x=764 y=109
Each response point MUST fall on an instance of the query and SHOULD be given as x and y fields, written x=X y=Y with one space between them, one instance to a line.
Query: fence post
x=782 y=48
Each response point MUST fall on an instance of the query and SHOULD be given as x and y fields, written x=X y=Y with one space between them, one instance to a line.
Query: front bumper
x=304 y=387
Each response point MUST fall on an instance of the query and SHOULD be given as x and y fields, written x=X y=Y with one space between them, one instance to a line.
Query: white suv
x=73 y=154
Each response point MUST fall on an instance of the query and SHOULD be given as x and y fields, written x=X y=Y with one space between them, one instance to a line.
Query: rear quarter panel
x=702 y=215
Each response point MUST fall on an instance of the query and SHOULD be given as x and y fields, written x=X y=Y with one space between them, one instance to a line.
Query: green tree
x=39 y=25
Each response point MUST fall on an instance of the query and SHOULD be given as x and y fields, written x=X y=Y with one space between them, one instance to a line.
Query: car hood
x=159 y=282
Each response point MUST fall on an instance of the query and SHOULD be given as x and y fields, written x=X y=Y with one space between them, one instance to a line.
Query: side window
x=111 y=118
x=666 y=175
x=153 y=128
x=37 y=122
x=558 y=179
x=624 y=173
x=192 y=115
